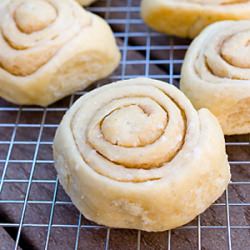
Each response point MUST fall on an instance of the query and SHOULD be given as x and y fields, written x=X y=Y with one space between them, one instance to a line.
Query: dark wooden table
x=35 y=211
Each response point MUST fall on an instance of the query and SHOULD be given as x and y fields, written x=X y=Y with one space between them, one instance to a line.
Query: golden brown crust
x=186 y=18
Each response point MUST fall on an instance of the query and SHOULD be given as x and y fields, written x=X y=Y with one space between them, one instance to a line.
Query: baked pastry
x=50 y=49
x=85 y=2
x=186 y=18
x=216 y=74
x=136 y=154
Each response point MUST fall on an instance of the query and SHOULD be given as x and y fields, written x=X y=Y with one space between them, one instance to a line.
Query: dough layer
x=85 y=2
x=136 y=154
x=50 y=49
x=216 y=74
x=186 y=18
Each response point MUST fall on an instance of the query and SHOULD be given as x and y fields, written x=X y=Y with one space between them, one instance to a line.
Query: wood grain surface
x=57 y=226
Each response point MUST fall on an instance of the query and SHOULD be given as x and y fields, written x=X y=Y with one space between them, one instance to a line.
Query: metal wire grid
x=144 y=53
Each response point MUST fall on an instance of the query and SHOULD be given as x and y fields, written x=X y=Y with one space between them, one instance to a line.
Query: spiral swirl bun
x=216 y=74
x=51 y=48
x=187 y=18
x=127 y=150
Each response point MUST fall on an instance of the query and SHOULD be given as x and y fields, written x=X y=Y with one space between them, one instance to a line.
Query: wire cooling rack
x=35 y=213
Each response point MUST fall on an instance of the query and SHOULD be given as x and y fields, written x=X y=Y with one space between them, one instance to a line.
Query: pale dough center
x=134 y=125
x=33 y=16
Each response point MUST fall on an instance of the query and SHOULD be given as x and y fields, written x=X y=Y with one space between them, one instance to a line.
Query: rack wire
x=35 y=211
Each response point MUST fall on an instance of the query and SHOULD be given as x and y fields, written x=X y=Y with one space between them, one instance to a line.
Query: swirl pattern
x=187 y=18
x=39 y=39
x=216 y=74
x=135 y=139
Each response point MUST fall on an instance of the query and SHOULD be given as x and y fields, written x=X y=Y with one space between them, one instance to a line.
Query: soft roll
x=51 y=48
x=136 y=154
x=186 y=18
x=216 y=74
